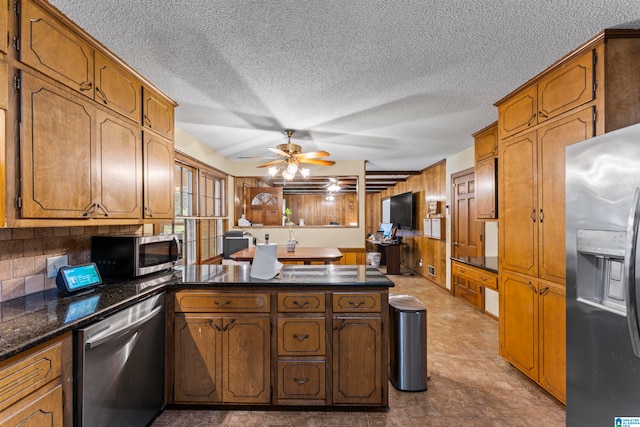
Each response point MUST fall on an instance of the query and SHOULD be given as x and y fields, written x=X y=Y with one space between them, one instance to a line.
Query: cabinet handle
x=356 y=304
x=533 y=215
x=146 y=120
x=103 y=209
x=86 y=85
x=544 y=291
x=148 y=211
x=223 y=303
x=89 y=209
x=301 y=380
x=214 y=324
x=541 y=215
x=301 y=338
x=533 y=288
x=102 y=95
x=230 y=325
x=541 y=113
x=300 y=304
x=455 y=243
x=533 y=116
x=340 y=326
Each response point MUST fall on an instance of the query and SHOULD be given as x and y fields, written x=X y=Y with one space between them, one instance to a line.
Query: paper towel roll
x=265 y=262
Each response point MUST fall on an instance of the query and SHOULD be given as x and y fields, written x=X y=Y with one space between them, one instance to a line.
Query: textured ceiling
x=401 y=84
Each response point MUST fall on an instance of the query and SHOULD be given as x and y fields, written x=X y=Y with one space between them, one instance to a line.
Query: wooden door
x=552 y=339
x=518 y=227
x=58 y=149
x=265 y=205
x=246 y=360
x=158 y=168
x=518 y=113
x=198 y=358
x=357 y=348
x=53 y=49
x=120 y=147
x=569 y=86
x=552 y=140
x=467 y=233
x=519 y=322
x=157 y=114
x=117 y=89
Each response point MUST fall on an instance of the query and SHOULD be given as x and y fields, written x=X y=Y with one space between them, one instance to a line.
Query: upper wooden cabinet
x=55 y=50
x=486 y=171
x=157 y=114
x=116 y=88
x=158 y=177
x=567 y=87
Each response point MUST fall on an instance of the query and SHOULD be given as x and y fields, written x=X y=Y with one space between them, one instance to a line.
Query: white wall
x=347 y=237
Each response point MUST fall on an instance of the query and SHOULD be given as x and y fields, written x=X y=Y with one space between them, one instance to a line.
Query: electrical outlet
x=420 y=263
x=55 y=263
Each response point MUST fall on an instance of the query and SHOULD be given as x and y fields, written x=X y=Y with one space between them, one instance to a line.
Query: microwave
x=128 y=256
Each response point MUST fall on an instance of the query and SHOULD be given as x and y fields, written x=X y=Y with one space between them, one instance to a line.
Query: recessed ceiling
x=400 y=84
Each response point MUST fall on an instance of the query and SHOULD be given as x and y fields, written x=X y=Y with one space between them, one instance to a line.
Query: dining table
x=306 y=254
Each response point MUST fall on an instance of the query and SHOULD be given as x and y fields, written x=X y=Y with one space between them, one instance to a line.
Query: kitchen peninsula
x=313 y=335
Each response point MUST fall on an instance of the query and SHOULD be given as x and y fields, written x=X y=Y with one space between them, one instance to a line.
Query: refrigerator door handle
x=630 y=273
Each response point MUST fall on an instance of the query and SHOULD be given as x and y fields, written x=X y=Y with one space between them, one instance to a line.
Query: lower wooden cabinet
x=318 y=348
x=468 y=283
x=533 y=330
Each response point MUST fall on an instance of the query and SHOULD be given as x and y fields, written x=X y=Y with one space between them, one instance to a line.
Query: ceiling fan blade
x=318 y=162
x=275 y=162
x=311 y=155
x=279 y=152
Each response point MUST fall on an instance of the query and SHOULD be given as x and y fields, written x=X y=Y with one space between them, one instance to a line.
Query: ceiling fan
x=291 y=156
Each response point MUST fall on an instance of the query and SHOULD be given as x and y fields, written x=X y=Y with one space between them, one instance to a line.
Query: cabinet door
x=552 y=140
x=518 y=216
x=357 y=366
x=4 y=16
x=486 y=195
x=41 y=409
x=157 y=114
x=117 y=89
x=198 y=358
x=120 y=149
x=53 y=49
x=57 y=147
x=246 y=361
x=569 y=86
x=519 y=323
x=486 y=143
x=518 y=113
x=552 y=339
x=158 y=173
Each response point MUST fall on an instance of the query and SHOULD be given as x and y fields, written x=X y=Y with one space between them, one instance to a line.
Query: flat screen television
x=401 y=211
x=386 y=228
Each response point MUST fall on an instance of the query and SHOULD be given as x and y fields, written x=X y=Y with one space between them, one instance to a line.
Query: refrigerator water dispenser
x=600 y=271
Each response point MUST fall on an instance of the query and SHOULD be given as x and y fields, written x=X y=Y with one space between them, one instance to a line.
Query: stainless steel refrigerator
x=603 y=283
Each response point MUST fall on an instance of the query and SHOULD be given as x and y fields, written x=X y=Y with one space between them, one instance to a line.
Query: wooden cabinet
x=116 y=88
x=533 y=331
x=4 y=24
x=76 y=161
x=532 y=196
x=35 y=387
x=486 y=171
x=159 y=195
x=568 y=86
x=223 y=358
x=357 y=348
x=157 y=114
x=469 y=283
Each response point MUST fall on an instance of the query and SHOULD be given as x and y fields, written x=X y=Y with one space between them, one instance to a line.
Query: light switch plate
x=55 y=263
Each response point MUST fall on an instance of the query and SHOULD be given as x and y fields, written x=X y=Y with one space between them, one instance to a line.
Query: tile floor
x=470 y=385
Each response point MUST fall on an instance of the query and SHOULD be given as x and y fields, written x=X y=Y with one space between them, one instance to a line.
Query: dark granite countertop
x=489 y=263
x=36 y=318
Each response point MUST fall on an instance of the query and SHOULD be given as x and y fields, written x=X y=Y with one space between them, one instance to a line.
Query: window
x=200 y=210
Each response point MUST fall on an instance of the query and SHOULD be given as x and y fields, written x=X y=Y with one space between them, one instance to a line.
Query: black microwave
x=128 y=256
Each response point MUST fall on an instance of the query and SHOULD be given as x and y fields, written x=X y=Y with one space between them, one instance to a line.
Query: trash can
x=374 y=258
x=408 y=343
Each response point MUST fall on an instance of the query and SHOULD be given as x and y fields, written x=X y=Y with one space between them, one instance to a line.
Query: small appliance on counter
x=235 y=240
x=128 y=256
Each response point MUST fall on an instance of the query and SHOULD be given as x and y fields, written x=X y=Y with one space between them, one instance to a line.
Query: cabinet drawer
x=477 y=275
x=356 y=302
x=301 y=379
x=298 y=336
x=301 y=302
x=213 y=302
x=43 y=408
x=29 y=373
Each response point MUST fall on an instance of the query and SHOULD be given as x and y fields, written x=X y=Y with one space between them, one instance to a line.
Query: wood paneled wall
x=430 y=186
x=315 y=210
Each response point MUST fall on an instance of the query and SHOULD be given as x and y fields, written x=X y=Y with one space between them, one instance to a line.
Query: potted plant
x=291 y=243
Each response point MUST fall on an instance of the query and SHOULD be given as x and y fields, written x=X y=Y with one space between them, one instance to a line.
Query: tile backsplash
x=24 y=253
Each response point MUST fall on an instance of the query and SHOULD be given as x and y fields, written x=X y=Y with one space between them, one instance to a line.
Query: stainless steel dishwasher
x=120 y=367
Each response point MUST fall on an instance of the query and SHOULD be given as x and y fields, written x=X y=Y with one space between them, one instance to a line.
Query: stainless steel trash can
x=408 y=343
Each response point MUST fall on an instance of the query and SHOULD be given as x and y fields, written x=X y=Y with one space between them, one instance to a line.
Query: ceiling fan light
x=273 y=171
x=292 y=168
x=305 y=172
x=286 y=175
x=334 y=188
